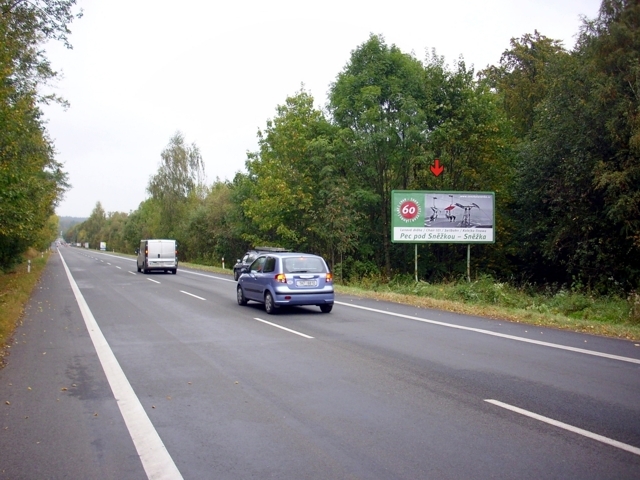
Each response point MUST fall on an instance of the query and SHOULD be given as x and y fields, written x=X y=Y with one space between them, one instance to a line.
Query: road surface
x=119 y=375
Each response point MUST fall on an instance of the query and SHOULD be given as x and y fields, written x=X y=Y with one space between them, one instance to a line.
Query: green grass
x=15 y=290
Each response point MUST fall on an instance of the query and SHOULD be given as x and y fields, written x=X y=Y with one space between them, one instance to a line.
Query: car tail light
x=281 y=278
x=329 y=277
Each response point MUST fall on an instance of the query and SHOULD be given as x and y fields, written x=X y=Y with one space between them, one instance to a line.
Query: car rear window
x=303 y=265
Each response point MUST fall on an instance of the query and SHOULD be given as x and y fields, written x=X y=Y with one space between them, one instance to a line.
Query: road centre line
x=155 y=458
x=181 y=270
x=283 y=328
x=450 y=325
x=191 y=294
x=118 y=267
x=565 y=426
x=152 y=280
x=501 y=335
x=132 y=273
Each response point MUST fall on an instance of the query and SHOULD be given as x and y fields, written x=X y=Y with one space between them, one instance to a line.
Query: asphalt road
x=119 y=375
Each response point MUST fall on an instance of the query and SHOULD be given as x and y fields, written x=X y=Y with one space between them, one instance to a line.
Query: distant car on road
x=250 y=256
x=278 y=279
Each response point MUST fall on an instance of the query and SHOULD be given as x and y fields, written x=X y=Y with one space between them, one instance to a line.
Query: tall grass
x=15 y=290
x=562 y=308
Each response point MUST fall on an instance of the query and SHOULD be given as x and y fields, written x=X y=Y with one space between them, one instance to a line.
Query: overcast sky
x=140 y=70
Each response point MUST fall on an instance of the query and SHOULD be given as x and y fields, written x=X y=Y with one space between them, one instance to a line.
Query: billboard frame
x=413 y=220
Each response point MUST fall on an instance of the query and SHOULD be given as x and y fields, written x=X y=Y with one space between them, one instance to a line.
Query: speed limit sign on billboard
x=426 y=216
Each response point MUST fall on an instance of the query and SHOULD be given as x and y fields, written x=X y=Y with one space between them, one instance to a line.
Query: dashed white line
x=283 y=328
x=152 y=280
x=191 y=294
x=132 y=273
x=565 y=426
x=118 y=267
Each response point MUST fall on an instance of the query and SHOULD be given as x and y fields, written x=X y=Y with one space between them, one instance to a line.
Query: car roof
x=289 y=254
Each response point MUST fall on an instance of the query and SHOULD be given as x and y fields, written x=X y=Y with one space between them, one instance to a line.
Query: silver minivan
x=157 y=255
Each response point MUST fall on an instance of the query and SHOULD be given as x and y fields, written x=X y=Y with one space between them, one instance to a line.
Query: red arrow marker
x=436 y=168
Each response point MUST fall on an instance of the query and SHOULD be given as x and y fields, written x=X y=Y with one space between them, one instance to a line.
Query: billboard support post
x=416 y=262
x=469 y=263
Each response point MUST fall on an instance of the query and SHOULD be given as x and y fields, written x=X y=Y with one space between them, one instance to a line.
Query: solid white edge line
x=152 y=280
x=501 y=335
x=459 y=327
x=283 y=328
x=191 y=294
x=155 y=458
x=565 y=426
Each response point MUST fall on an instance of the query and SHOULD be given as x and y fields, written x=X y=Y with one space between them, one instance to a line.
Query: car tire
x=139 y=269
x=242 y=300
x=269 y=306
x=236 y=275
x=174 y=271
x=326 y=308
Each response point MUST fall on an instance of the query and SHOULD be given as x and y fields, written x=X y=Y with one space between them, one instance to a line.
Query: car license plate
x=307 y=283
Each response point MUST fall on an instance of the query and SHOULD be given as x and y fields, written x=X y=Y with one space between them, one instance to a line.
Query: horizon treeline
x=555 y=133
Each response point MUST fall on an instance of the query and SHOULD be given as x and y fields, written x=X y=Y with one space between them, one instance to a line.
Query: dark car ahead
x=250 y=256
x=279 y=279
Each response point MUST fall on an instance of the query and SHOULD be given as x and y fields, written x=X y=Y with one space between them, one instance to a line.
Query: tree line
x=32 y=181
x=555 y=133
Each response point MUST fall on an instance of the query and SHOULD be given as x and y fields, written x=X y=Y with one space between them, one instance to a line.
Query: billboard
x=427 y=216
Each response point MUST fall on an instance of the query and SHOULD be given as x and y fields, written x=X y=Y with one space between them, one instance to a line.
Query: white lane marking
x=151 y=280
x=181 y=270
x=108 y=263
x=132 y=273
x=571 y=428
x=196 y=296
x=155 y=458
x=118 y=267
x=118 y=257
x=208 y=276
x=501 y=335
x=283 y=328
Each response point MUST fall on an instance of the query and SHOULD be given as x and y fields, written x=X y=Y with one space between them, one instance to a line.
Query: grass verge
x=15 y=290
x=606 y=316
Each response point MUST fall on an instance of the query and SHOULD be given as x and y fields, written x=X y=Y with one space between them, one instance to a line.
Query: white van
x=157 y=255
